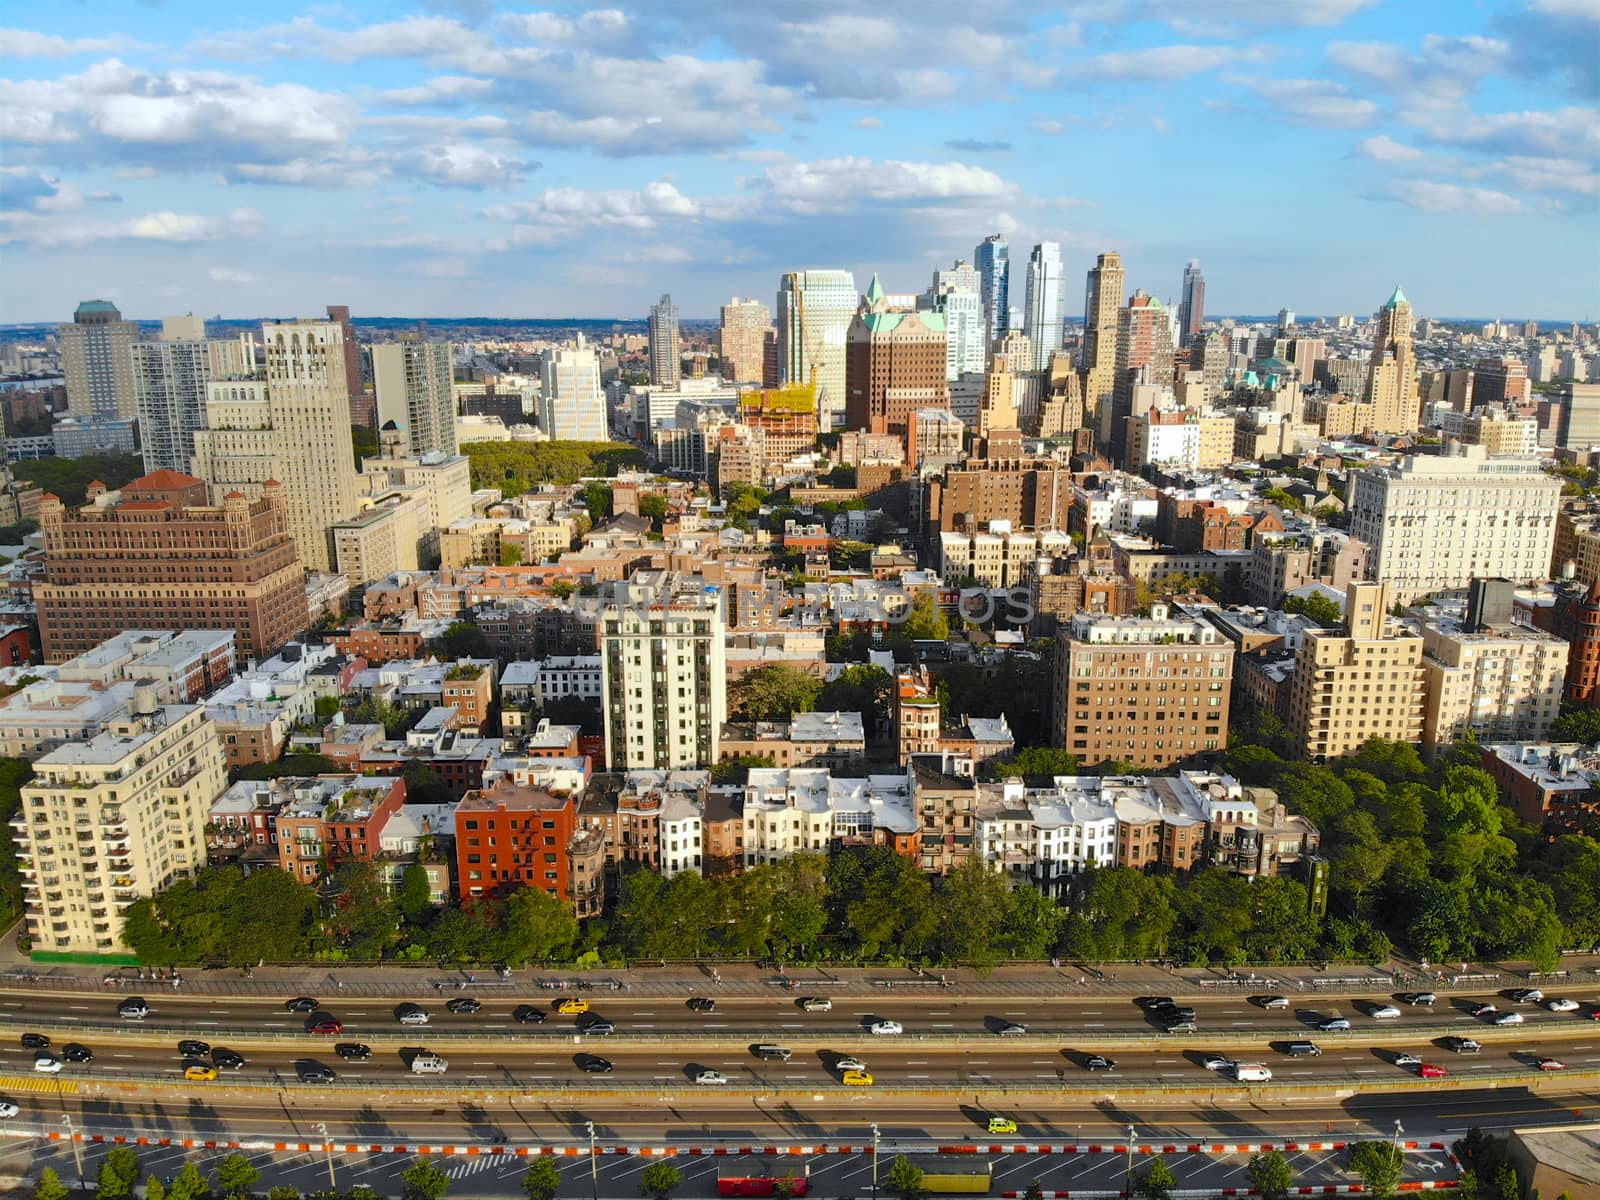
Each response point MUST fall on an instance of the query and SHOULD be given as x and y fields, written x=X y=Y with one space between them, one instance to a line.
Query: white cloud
x=1383 y=148
x=1550 y=175
x=230 y=275
x=162 y=226
x=867 y=123
x=1434 y=197
x=464 y=165
x=24 y=43
x=657 y=254
x=1572 y=132
x=1163 y=62
x=26 y=189
x=559 y=212
x=1312 y=102
x=836 y=183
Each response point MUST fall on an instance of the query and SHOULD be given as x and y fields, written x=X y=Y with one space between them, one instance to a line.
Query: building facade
x=97 y=361
x=742 y=339
x=413 y=383
x=171 y=378
x=663 y=346
x=895 y=365
x=1045 y=307
x=815 y=309
x=572 y=407
x=992 y=259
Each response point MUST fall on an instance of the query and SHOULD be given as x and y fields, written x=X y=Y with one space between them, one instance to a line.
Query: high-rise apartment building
x=1500 y=381
x=815 y=309
x=1152 y=690
x=292 y=426
x=664 y=349
x=664 y=682
x=895 y=365
x=1440 y=521
x=413 y=385
x=161 y=557
x=572 y=408
x=363 y=408
x=170 y=381
x=1392 y=370
x=1144 y=356
x=955 y=294
x=1579 y=427
x=1192 y=308
x=992 y=258
x=742 y=340
x=1046 y=303
x=97 y=360
x=114 y=819
x=1102 y=302
x=1359 y=682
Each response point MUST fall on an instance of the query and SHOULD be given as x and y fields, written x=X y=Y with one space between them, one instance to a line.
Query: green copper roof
x=887 y=322
x=97 y=306
x=1398 y=298
x=874 y=290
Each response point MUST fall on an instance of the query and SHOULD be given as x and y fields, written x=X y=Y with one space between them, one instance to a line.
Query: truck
x=953 y=1174
x=757 y=1175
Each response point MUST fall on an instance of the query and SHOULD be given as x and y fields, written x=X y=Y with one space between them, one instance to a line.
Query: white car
x=849 y=1063
x=1216 y=1062
x=1384 y=1012
x=8 y=1110
x=1561 y=1004
x=47 y=1064
x=1508 y=1018
x=711 y=1077
x=1275 y=1002
x=886 y=1027
x=1407 y=1060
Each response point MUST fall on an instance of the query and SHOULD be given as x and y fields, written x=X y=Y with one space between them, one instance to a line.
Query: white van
x=429 y=1064
x=1252 y=1073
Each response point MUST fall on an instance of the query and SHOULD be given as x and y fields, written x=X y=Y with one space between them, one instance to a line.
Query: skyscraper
x=1144 y=355
x=97 y=359
x=170 y=378
x=1392 y=369
x=992 y=258
x=363 y=410
x=1101 y=303
x=815 y=309
x=571 y=406
x=1042 y=319
x=895 y=365
x=665 y=353
x=413 y=385
x=956 y=295
x=1192 y=308
x=742 y=340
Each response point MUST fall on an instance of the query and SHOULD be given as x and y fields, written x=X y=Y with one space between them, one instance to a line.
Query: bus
x=757 y=1175
x=953 y=1174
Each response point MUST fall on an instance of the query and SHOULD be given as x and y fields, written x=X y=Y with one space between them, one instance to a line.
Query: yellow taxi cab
x=573 y=1006
x=199 y=1072
x=1002 y=1125
x=858 y=1078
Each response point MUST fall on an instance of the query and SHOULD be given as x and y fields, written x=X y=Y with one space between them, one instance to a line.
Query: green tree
x=364 y=914
x=905 y=1179
x=1379 y=1164
x=597 y=498
x=236 y=1175
x=326 y=708
x=510 y=554
x=119 y=1172
x=424 y=1181
x=283 y=1192
x=974 y=905
x=863 y=689
x=562 y=589
x=70 y=478
x=414 y=897
x=925 y=621
x=188 y=1184
x=1324 y=610
x=50 y=1186
x=659 y=1180
x=543 y=1179
x=462 y=639
x=1271 y=1175
x=539 y=927
x=1576 y=724
x=1038 y=761
x=1156 y=1181
x=364 y=441
x=1121 y=914
x=653 y=507
x=777 y=692
x=154 y=1189
x=737 y=768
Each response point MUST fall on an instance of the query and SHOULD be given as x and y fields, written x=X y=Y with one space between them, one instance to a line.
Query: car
x=1099 y=1062
x=1001 y=1125
x=353 y=1051
x=1416 y=998
x=8 y=1110
x=710 y=1077
x=73 y=1052
x=133 y=1009
x=702 y=1004
x=1303 y=1050
x=848 y=1062
x=35 y=1041
x=1274 y=1002
x=411 y=1014
x=856 y=1078
x=528 y=1014
x=1484 y=1011
x=886 y=1027
x=228 y=1060
x=1551 y=1064
x=1561 y=1004
x=324 y=1025
x=1508 y=1018
x=190 y=1048
x=572 y=1006
x=1430 y=1071
x=314 y=1072
x=1527 y=995
x=1383 y=1012
x=463 y=1004
x=47 y=1063
x=302 y=1004
x=1181 y=1026
x=771 y=1052
x=1404 y=1059
x=1462 y=1045
x=1012 y=1029
x=1216 y=1062
x=1334 y=1024
x=1594 y=1013
x=1180 y=1012
x=200 y=1072
x=1151 y=1003
x=816 y=1004
x=598 y=1026
x=594 y=1064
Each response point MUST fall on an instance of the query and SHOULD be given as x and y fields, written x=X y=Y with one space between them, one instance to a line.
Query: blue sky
x=459 y=157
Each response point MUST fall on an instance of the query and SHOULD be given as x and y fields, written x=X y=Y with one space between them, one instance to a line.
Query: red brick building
x=509 y=837
x=343 y=818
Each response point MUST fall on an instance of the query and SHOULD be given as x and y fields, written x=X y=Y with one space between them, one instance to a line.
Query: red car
x=1429 y=1071
x=1551 y=1064
x=324 y=1025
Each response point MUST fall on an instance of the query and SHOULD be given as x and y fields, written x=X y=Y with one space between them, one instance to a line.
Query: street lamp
x=594 y=1165
x=322 y=1130
x=1394 y=1145
x=1128 y=1172
x=875 y=1137
x=77 y=1152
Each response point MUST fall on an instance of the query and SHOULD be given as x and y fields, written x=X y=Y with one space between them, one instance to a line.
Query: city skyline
x=454 y=159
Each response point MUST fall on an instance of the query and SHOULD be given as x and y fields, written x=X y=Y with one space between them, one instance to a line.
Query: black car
x=1415 y=998
x=226 y=1060
x=1151 y=1003
x=598 y=1026
x=353 y=1051
x=463 y=1004
x=74 y=1052
x=1175 y=1012
x=302 y=1004
x=527 y=1014
x=594 y=1064
x=190 y=1048
x=313 y=1072
x=1099 y=1062
x=133 y=1009
x=35 y=1041
x=702 y=1004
